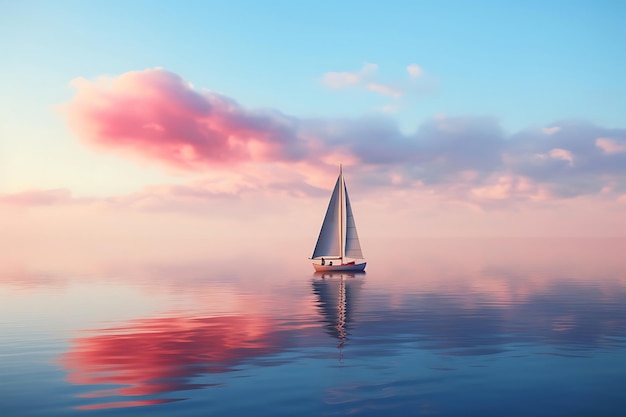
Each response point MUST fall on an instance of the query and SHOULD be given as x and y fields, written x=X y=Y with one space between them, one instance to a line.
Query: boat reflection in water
x=337 y=294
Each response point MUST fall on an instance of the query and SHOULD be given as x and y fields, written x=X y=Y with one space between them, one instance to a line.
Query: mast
x=342 y=204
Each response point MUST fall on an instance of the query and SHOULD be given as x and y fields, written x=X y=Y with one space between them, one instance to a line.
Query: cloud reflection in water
x=488 y=312
x=163 y=355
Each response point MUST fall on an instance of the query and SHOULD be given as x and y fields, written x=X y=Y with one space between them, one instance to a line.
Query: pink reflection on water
x=501 y=271
x=159 y=355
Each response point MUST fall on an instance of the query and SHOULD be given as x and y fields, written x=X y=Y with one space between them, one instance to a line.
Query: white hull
x=333 y=268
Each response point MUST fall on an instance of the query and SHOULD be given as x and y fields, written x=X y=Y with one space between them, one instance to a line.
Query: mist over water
x=434 y=327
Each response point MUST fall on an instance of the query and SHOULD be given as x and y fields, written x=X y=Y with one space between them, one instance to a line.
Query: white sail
x=353 y=247
x=328 y=242
x=338 y=238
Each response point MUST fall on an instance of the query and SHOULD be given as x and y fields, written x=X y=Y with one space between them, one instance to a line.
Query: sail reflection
x=336 y=296
x=164 y=355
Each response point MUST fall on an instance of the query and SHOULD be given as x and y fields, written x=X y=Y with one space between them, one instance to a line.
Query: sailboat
x=338 y=247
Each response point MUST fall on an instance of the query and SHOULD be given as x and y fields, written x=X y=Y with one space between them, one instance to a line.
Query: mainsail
x=328 y=240
x=338 y=237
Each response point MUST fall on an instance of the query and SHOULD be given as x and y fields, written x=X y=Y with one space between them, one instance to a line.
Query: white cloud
x=340 y=80
x=414 y=70
x=385 y=90
x=405 y=88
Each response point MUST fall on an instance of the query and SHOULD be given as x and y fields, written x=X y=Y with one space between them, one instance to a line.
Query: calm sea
x=507 y=327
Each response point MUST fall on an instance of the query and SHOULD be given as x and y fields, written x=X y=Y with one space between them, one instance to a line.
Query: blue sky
x=528 y=63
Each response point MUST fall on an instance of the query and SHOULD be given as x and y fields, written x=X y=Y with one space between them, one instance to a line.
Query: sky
x=212 y=121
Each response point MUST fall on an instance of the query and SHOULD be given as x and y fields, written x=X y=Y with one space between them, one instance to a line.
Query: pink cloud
x=38 y=197
x=609 y=145
x=563 y=154
x=550 y=130
x=156 y=114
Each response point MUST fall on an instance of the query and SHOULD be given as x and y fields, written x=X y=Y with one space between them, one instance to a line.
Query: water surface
x=435 y=327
